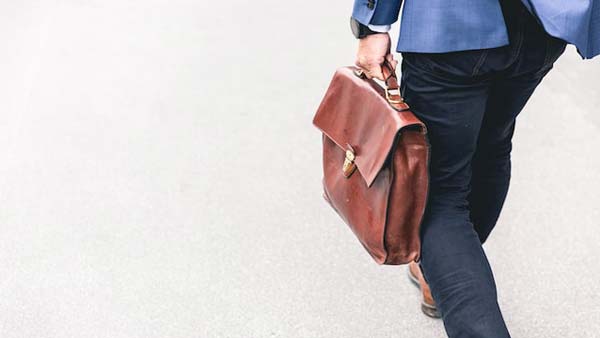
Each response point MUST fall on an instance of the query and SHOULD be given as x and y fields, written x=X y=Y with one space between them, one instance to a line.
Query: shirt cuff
x=380 y=28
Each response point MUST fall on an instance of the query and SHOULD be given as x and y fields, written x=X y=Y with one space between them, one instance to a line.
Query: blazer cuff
x=376 y=12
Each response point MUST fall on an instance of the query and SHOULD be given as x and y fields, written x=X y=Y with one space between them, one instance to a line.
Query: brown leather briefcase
x=375 y=163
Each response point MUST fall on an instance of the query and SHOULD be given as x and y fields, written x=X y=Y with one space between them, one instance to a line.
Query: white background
x=160 y=177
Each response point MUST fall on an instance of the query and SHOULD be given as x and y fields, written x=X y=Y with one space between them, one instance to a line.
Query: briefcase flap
x=356 y=115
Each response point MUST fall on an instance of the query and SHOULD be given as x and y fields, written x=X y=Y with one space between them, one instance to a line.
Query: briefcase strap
x=392 y=90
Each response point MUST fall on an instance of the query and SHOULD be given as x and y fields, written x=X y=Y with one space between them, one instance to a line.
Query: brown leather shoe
x=427 y=303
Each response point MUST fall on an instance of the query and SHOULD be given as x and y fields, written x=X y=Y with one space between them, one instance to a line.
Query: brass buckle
x=349 y=166
x=389 y=98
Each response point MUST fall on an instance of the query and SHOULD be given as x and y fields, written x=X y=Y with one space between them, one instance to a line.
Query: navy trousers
x=469 y=101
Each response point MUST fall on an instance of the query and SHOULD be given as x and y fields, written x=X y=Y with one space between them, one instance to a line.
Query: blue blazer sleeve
x=376 y=12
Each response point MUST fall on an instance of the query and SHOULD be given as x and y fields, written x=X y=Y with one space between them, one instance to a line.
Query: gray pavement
x=160 y=177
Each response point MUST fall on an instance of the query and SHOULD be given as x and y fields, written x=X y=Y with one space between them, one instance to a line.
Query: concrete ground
x=160 y=177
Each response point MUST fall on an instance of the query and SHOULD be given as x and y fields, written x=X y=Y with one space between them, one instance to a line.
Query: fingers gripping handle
x=392 y=89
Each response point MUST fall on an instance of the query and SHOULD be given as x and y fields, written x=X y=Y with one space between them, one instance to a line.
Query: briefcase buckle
x=349 y=166
x=393 y=95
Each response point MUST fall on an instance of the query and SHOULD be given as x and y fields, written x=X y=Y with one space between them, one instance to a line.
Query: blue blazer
x=439 y=26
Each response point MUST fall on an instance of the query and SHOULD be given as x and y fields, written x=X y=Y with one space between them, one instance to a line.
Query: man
x=468 y=68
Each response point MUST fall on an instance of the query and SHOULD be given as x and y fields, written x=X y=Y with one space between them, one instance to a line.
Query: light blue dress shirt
x=439 y=26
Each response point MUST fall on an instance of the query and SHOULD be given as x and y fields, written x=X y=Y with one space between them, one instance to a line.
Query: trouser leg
x=508 y=95
x=491 y=165
x=452 y=105
x=469 y=101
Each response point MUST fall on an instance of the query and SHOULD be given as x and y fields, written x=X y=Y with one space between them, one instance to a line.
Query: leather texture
x=384 y=199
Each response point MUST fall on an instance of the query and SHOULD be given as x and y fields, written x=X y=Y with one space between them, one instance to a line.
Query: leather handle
x=392 y=89
x=389 y=75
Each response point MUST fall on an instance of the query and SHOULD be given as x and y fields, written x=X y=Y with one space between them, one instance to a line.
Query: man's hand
x=373 y=50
